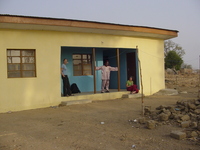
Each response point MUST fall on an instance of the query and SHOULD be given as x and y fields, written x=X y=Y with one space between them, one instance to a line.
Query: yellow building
x=32 y=49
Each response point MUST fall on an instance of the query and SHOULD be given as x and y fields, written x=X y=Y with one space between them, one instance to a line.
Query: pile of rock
x=182 y=80
x=184 y=110
x=186 y=114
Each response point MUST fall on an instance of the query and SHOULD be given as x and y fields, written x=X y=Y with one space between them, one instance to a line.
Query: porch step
x=132 y=95
x=73 y=102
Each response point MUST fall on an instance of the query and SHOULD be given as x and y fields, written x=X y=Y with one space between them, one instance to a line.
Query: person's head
x=131 y=78
x=65 y=61
x=107 y=63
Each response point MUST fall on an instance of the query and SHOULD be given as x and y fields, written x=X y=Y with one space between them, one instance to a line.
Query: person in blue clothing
x=66 y=84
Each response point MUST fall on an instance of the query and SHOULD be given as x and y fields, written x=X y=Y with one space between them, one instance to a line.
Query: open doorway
x=131 y=66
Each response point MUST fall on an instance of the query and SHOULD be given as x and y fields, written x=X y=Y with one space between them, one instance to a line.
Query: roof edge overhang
x=58 y=24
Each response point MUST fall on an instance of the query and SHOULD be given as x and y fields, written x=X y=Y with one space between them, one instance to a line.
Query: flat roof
x=70 y=25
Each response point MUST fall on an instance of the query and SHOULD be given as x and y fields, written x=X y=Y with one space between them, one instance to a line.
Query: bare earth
x=78 y=127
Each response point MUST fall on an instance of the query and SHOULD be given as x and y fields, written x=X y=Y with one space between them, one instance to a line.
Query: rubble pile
x=185 y=114
x=182 y=80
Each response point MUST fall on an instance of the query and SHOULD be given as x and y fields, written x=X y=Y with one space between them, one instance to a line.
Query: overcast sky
x=181 y=15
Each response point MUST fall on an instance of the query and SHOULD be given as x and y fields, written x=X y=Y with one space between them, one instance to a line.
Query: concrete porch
x=88 y=97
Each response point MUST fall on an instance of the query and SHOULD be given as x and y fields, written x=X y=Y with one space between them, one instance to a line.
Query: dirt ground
x=78 y=127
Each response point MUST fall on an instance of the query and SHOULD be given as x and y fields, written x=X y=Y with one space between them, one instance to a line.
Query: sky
x=181 y=15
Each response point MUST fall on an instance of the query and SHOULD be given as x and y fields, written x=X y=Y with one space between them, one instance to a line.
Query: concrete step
x=73 y=102
x=138 y=95
x=167 y=92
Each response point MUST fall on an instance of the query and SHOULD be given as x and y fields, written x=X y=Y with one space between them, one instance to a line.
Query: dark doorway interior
x=131 y=66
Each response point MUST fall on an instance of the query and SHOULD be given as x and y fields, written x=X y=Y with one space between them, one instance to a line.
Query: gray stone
x=198 y=126
x=188 y=134
x=192 y=101
x=172 y=110
x=177 y=116
x=178 y=135
x=167 y=92
x=147 y=109
x=194 y=134
x=179 y=121
x=182 y=102
x=183 y=113
x=194 y=124
x=161 y=107
x=185 y=103
x=167 y=112
x=193 y=116
x=197 y=102
x=179 y=102
x=142 y=120
x=198 y=107
x=172 y=116
x=197 y=111
x=191 y=106
x=186 y=110
x=154 y=115
x=163 y=117
x=191 y=134
x=185 y=118
x=151 y=124
x=178 y=112
x=185 y=124
x=181 y=107
x=158 y=111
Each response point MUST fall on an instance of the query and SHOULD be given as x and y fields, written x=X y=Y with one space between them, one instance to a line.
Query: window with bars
x=21 y=63
x=82 y=64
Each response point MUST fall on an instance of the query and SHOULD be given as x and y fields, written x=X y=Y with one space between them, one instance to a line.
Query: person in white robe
x=105 y=76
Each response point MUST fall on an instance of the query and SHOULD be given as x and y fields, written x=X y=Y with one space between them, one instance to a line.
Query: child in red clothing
x=131 y=87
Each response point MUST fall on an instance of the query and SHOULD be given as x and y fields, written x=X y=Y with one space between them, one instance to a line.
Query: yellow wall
x=44 y=90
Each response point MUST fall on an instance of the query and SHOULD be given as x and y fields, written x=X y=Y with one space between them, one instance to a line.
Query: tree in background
x=173 y=55
x=171 y=46
x=173 y=60
x=186 y=66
